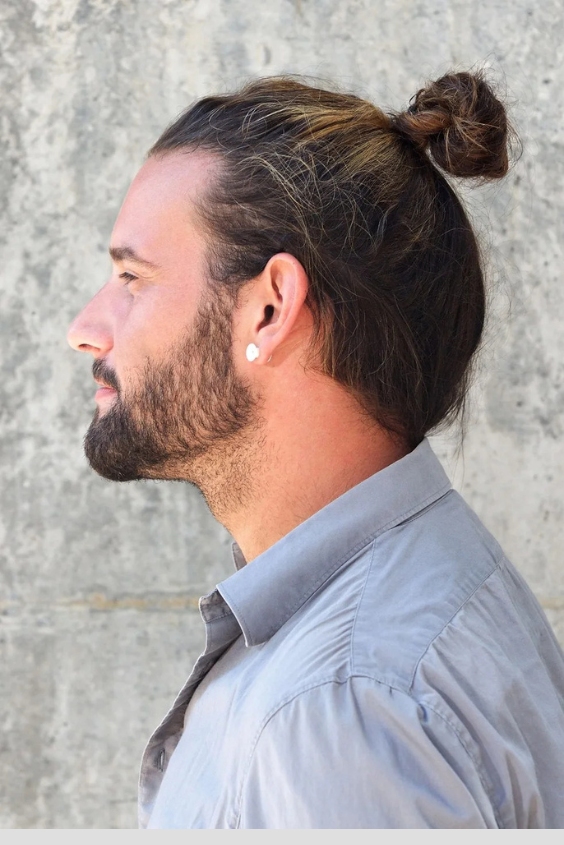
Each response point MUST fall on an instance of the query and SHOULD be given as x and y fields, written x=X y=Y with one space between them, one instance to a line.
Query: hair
x=360 y=198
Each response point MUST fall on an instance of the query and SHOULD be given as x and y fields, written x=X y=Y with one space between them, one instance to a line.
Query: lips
x=104 y=394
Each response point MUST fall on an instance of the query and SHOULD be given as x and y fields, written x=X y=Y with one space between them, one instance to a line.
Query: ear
x=273 y=310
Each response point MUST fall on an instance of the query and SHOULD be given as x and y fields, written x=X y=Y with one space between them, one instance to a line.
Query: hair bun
x=463 y=124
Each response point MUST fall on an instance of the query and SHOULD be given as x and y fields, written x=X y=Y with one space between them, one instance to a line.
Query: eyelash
x=127 y=277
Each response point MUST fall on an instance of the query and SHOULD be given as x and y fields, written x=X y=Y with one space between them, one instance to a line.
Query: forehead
x=160 y=206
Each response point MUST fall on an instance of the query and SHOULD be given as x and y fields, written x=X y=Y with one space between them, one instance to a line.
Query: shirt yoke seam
x=497 y=562
x=357 y=609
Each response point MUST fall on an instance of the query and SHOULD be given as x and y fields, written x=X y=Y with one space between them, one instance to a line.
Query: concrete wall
x=98 y=618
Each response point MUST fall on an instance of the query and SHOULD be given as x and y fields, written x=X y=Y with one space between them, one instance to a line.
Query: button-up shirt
x=381 y=666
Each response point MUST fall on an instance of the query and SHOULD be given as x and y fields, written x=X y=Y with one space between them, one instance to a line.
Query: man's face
x=170 y=400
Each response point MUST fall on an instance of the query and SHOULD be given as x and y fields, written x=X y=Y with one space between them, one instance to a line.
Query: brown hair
x=395 y=281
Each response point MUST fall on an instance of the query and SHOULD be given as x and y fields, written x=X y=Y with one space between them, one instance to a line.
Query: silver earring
x=252 y=352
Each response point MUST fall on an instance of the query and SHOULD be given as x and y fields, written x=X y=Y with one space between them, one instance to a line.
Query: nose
x=91 y=330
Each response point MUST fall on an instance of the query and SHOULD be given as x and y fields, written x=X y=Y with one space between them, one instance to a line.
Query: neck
x=308 y=452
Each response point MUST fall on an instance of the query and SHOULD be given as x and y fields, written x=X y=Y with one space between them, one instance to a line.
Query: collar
x=265 y=593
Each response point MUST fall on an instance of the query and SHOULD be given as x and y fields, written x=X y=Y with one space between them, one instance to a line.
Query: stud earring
x=252 y=352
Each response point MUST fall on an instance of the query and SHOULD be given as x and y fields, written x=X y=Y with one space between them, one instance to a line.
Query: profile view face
x=169 y=397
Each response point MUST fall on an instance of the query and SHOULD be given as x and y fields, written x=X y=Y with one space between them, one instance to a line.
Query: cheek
x=133 y=344
x=153 y=327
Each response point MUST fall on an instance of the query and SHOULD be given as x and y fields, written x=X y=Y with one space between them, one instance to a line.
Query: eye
x=128 y=278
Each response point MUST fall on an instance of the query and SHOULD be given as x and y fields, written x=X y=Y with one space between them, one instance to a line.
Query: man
x=295 y=302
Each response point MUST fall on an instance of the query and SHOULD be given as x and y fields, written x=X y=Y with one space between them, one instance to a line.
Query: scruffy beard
x=192 y=419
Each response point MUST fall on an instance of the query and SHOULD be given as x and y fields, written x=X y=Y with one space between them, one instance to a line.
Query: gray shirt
x=381 y=666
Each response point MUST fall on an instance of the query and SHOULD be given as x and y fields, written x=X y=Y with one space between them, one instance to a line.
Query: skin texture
x=269 y=442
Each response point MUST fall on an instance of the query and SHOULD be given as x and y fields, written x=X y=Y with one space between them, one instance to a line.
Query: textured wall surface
x=98 y=606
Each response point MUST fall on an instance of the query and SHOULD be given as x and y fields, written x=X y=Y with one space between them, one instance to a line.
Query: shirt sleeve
x=359 y=754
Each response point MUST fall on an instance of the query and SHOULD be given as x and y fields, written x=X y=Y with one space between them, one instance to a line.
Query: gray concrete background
x=98 y=618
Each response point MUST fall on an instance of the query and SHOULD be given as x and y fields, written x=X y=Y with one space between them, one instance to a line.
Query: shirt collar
x=266 y=592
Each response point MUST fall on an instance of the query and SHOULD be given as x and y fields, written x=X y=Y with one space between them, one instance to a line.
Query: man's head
x=291 y=218
x=161 y=337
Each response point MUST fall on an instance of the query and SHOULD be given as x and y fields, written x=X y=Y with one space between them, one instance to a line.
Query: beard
x=192 y=418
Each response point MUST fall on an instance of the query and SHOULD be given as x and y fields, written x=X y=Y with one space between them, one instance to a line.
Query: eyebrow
x=127 y=253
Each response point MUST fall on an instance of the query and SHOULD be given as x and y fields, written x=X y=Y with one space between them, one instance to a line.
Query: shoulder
x=435 y=673
x=381 y=612
x=358 y=753
x=424 y=572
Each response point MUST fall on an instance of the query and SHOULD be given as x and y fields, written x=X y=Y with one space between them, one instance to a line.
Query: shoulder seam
x=325 y=682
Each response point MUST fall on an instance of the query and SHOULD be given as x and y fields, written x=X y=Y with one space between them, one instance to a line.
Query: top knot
x=463 y=124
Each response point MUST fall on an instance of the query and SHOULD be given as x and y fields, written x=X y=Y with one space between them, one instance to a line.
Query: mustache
x=101 y=372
